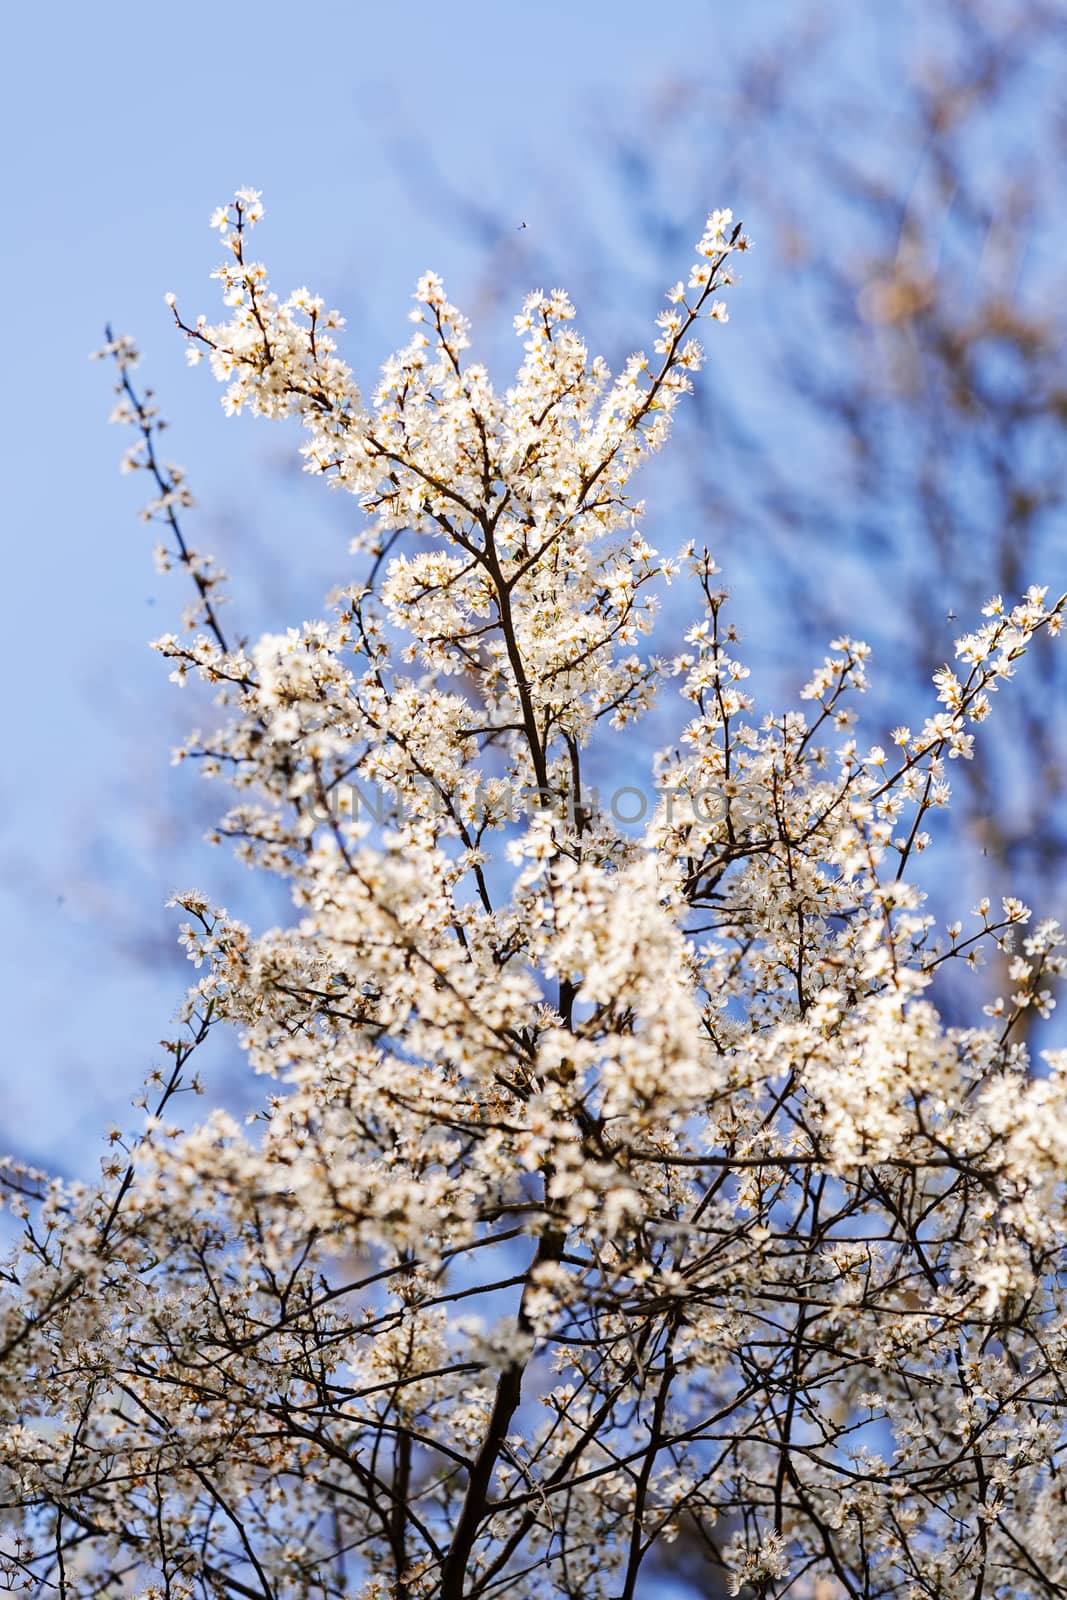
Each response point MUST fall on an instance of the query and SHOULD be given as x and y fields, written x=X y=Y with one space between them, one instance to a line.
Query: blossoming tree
x=610 y=1179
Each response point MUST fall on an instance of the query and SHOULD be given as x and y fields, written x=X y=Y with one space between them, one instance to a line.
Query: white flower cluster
x=610 y=1188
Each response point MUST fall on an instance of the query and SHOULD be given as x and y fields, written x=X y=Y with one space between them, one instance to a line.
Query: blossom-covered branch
x=608 y=1183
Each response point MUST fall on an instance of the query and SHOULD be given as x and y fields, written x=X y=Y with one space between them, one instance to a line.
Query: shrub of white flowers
x=616 y=1189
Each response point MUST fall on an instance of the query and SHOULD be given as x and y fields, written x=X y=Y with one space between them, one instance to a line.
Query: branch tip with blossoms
x=172 y=495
